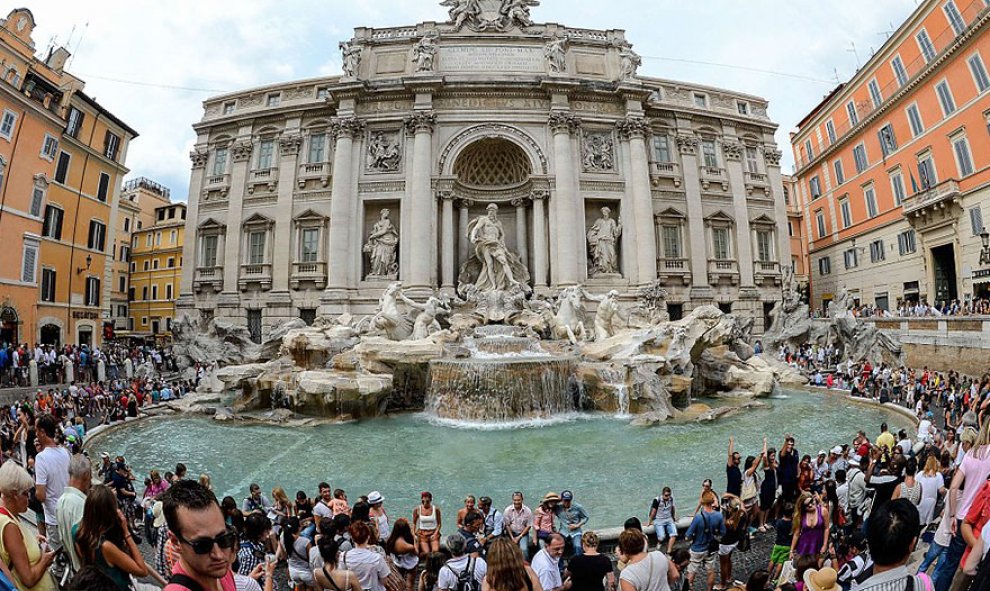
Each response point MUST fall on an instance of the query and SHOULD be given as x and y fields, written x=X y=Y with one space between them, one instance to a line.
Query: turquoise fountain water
x=613 y=468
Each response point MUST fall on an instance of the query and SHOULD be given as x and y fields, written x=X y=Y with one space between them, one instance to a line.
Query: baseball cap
x=566 y=495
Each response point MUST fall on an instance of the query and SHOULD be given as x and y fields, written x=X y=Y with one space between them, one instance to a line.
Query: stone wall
x=961 y=344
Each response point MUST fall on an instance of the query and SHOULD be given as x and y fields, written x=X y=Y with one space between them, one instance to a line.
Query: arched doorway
x=8 y=325
x=51 y=335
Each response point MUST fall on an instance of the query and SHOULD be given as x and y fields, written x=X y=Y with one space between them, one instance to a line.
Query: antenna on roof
x=852 y=48
x=75 y=50
x=835 y=72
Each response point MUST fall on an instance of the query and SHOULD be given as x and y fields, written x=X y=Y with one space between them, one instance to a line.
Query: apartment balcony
x=219 y=183
x=259 y=275
x=267 y=178
x=939 y=197
x=723 y=270
x=767 y=272
x=208 y=278
x=319 y=171
x=308 y=273
x=672 y=269
x=757 y=182
x=665 y=170
x=714 y=176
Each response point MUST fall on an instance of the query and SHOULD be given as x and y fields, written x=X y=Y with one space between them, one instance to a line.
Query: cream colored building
x=435 y=122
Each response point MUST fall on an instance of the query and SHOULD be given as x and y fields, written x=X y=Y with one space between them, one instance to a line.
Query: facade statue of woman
x=381 y=245
x=601 y=238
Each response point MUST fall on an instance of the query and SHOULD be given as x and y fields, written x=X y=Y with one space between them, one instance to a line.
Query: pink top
x=976 y=471
x=542 y=520
x=226 y=583
x=152 y=490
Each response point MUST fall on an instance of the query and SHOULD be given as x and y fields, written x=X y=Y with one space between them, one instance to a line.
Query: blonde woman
x=932 y=485
x=507 y=570
x=19 y=548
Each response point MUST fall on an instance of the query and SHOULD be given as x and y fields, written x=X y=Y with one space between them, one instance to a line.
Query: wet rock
x=224 y=413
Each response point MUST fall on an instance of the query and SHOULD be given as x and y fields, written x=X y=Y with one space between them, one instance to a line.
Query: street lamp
x=985 y=252
x=89 y=262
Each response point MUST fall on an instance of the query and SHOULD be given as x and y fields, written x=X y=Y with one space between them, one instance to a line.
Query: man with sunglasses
x=197 y=528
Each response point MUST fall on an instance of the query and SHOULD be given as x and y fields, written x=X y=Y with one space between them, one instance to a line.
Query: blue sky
x=153 y=63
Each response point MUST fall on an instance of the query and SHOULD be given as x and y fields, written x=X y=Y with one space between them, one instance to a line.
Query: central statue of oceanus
x=493 y=267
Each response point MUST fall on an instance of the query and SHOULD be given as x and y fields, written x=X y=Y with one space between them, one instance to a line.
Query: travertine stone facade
x=434 y=122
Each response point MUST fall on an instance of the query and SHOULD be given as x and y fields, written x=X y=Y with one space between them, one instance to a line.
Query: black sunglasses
x=202 y=546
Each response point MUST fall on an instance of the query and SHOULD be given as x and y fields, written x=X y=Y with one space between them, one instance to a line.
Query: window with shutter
x=30 y=263
x=104 y=187
x=976 y=219
x=37 y=196
x=62 y=169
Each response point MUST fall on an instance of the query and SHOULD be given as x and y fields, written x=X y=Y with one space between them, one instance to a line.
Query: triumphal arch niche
x=486 y=149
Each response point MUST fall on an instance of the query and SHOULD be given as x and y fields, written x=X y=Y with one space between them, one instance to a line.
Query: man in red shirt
x=197 y=528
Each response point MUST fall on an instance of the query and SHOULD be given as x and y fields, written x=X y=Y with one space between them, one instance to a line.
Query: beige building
x=311 y=196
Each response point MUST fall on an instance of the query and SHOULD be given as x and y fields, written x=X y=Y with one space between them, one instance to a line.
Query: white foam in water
x=529 y=423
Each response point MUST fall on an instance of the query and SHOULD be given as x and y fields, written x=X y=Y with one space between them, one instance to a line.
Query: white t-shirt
x=547 y=570
x=51 y=469
x=322 y=510
x=369 y=566
x=924 y=430
x=649 y=574
x=454 y=567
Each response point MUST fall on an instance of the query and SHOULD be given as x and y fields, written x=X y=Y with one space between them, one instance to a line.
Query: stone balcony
x=260 y=275
x=757 y=183
x=264 y=177
x=711 y=175
x=766 y=272
x=208 y=278
x=674 y=270
x=219 y=183
x=940 y=196
x=304 y=273
x=720 y=270
x=665 y=170
x=318 y=171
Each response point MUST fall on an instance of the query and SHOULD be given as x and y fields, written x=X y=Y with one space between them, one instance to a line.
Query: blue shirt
x=701 y=533
x=575 y=515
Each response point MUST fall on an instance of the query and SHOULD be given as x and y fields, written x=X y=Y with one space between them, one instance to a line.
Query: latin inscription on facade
x=492 y=59
x=490 y=102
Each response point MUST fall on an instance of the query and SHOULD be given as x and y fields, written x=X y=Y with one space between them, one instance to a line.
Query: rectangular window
x=127 y=225
x=154 y=264
x=926 y=171
x=97 y=235
x=256 y=248
x=228 y=107
x=899 y=72
x=964 y=159
x=74 y=125
x=853 y=115
x=154 y=292
x=122 y=283
x=764 y=245
x=888 y=143
x=104 y=187
x=671 y=241
x=859 y=155
x=48 y=278
x=7 y=124
x=840 y=176
x=274 y=99
x=219 y=161
x=210 y=251
x=708 y=153
x=111 y=145
x=53 y=222
x=976 y=220
x=955 y=19
x=310 y=245
x=265 y=150
x=830 y=130
x=742 y=107
x=144 y=293
x=752 y=160
x=824 y=266
x=92 y=291
x=37 y=198
x=849 y=258
x=815 y=186
x=897 y=187
x=49 y=147
x=875 y=95
x=925 y=45
x=720 y=244
x=317 y=147
x=700 y=100
x=661 y=148
x=172 y=236
x=846 y=212
x=148 y=240
x=62 y=168
x=876 y=251
x=808 y=151
x=168 y=291
x=820 y=219
x=979 y=72
x=170 y=262
x=945 y=97
x=906 y=242
x=147 y=265
x=29 y=262
x=914 y=118
x=125 y=253
x=870 y=196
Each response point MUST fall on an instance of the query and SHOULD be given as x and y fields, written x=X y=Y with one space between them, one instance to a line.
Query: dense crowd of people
x=919 y=309
x=52 y=361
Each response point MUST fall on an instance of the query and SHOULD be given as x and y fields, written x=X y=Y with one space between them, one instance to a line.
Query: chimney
x=57 y=59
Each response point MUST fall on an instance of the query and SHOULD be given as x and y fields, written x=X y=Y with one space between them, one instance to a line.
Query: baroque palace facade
x=310 y=197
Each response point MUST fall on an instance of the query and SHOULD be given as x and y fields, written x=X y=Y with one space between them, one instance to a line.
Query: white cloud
x=226 y=46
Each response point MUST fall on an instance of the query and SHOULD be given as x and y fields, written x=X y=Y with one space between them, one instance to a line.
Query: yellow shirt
x=887 y=440
x=47 y=583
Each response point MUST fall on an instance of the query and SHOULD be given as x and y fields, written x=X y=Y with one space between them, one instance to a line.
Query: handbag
x=713 y=542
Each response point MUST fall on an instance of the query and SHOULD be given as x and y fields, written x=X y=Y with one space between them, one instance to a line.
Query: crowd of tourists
x=919 y=309
x=52 y=361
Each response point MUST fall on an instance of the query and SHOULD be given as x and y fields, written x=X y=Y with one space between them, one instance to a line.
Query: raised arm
x=732 y=450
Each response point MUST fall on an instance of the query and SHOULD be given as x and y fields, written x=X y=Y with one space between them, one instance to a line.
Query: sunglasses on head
x=202 y=546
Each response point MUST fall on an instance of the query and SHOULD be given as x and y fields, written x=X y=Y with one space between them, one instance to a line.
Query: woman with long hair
x=910 y=488
x=281 y=506
x=427 y=523
x=932 y=485
x=431 y=570
x=736 y=528
x=810 y=528
x=401 y=548
x=103 y=540
x=330 y=578
x=19 y=547
x=296 y=549
x=367 y=563
x=507 y=570
x=768 y=490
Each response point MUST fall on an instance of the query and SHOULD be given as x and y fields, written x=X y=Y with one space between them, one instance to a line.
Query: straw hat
x=821 y=580
x=551 y=497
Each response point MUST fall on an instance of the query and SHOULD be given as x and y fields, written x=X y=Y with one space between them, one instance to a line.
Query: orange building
x=891 y=167
x=795 y=231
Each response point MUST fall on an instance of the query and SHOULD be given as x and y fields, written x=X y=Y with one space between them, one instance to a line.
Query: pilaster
x=421 y=211
x=565 y=201
x=633 y=130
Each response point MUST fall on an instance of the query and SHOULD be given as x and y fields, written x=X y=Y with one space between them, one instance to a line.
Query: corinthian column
x=634 y=130
x=521 y=243
x=539 y=239
x=190 y=245
x=342 y=208
x=565 y=199
x=447 y=253
x=241 y=155
x=282 y=258
x=420 y=210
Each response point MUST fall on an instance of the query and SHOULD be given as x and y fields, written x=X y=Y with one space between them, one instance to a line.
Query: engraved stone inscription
x=490 y=102
x=499 y=59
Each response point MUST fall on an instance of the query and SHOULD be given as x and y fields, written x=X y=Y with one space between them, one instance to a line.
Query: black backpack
x=981 y=582
x=466 y=581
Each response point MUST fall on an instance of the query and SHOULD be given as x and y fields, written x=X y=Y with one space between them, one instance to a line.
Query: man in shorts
x=706 y=529
x=662 y=515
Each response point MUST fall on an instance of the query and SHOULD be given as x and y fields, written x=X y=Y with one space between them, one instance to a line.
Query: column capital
x=199 y=157
x=732 y=150
x=772 y=154
x=444 y=195
x=465 y=203
x=349 y=127
x=519 y=202
x=564 y=123
x=633 y=127
x=241 y=150
x=289 y=143
x=419 y=121
x=687 y=143
x=539 y=195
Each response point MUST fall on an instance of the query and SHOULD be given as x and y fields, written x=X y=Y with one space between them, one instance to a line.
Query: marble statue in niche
x=602 y=237
x=381 y=245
